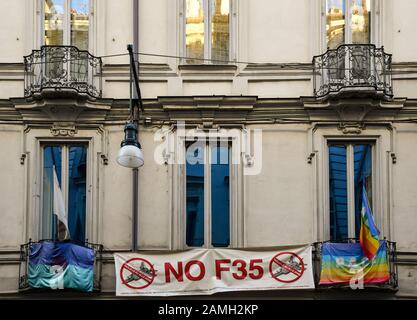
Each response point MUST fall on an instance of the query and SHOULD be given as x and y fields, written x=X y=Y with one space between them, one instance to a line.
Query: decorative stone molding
x=205 y=110
x=61 y=109
x=166 y=156
x=27 y=128
x=105 y=159
x=351 y=128
x=209 y=111
x=352 y=109
x=249 y=160
x=63 y=129
x=207 y=124
x=22 y=158
x=148 y=121
x=310 y=157
x=394 y=157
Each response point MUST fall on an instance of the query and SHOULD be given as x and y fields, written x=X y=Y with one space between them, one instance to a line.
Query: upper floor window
x=66 y=22
x=208 y=213
x=350 y=167
x=207 y=30
x=69 y=162
x=348 y=21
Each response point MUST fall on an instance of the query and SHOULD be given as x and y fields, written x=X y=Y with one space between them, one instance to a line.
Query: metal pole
x=136 y=119
x=130 y=92
x=136 y=26
x=134 y=114
x=135 y=97
x=135 y=76
x=135 y=209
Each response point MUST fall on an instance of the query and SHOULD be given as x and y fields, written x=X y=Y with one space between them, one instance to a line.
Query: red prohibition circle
x=138 y=273
x=297 y=273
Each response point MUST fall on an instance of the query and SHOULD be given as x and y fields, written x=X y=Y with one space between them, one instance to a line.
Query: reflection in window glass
x=52 y=156
x=77 y=174
x=338 y=31
x=195 y=195
x=79 y=23
x=53 y=21
x=74 y=190
x=79 y=38
x=194 y=29
x=335 y=23
x=360 y=13
x=220 y=202
x=338 y=192
x=363 y=174
x=220 y=10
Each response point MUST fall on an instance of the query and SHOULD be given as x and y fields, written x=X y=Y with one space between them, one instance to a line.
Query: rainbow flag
x=369 y=232
x=345 y=262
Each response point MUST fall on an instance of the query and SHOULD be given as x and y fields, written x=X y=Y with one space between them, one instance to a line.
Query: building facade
x=304 y=102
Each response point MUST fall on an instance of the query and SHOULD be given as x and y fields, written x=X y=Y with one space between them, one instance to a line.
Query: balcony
x=352 y=69
x=28 y=248
x=62 y=69
x=390 y=284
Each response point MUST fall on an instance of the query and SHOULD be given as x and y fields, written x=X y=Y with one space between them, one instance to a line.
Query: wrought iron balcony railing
x=391 y=250
x=24 y=262
x=62 y=68
x=352 y=66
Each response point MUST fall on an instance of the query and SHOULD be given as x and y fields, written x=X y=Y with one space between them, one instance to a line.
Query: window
x=348 y=21
x=70 y=164
x=207 y=30
x=208 y=194
x=350 y=167
x=66 y=22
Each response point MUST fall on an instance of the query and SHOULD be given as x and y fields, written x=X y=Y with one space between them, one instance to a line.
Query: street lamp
x=130 y=154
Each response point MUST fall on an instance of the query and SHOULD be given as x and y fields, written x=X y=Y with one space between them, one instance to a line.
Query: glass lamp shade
x=130 y=156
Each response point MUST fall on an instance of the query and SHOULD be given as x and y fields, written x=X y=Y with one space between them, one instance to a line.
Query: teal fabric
x=61 y=277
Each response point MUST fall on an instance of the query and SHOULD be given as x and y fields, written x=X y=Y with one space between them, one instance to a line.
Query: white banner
x=207 y=271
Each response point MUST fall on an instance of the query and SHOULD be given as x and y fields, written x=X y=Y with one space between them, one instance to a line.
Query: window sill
x=208 y=69
x=206 y=66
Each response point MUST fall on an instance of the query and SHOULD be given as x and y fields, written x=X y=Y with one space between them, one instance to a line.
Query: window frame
x=65 y=144
x=385 y=147
x=375 y=25
x=66 y=24
x=207 y=192
x=349 y=143
x=207 y=31
x=178 y=221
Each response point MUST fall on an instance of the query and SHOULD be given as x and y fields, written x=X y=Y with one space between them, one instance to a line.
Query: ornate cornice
x=205 y=110
x=208 y=111
x=351 y=128
x=351 y=109
x=63 y=129
x=60 y=109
